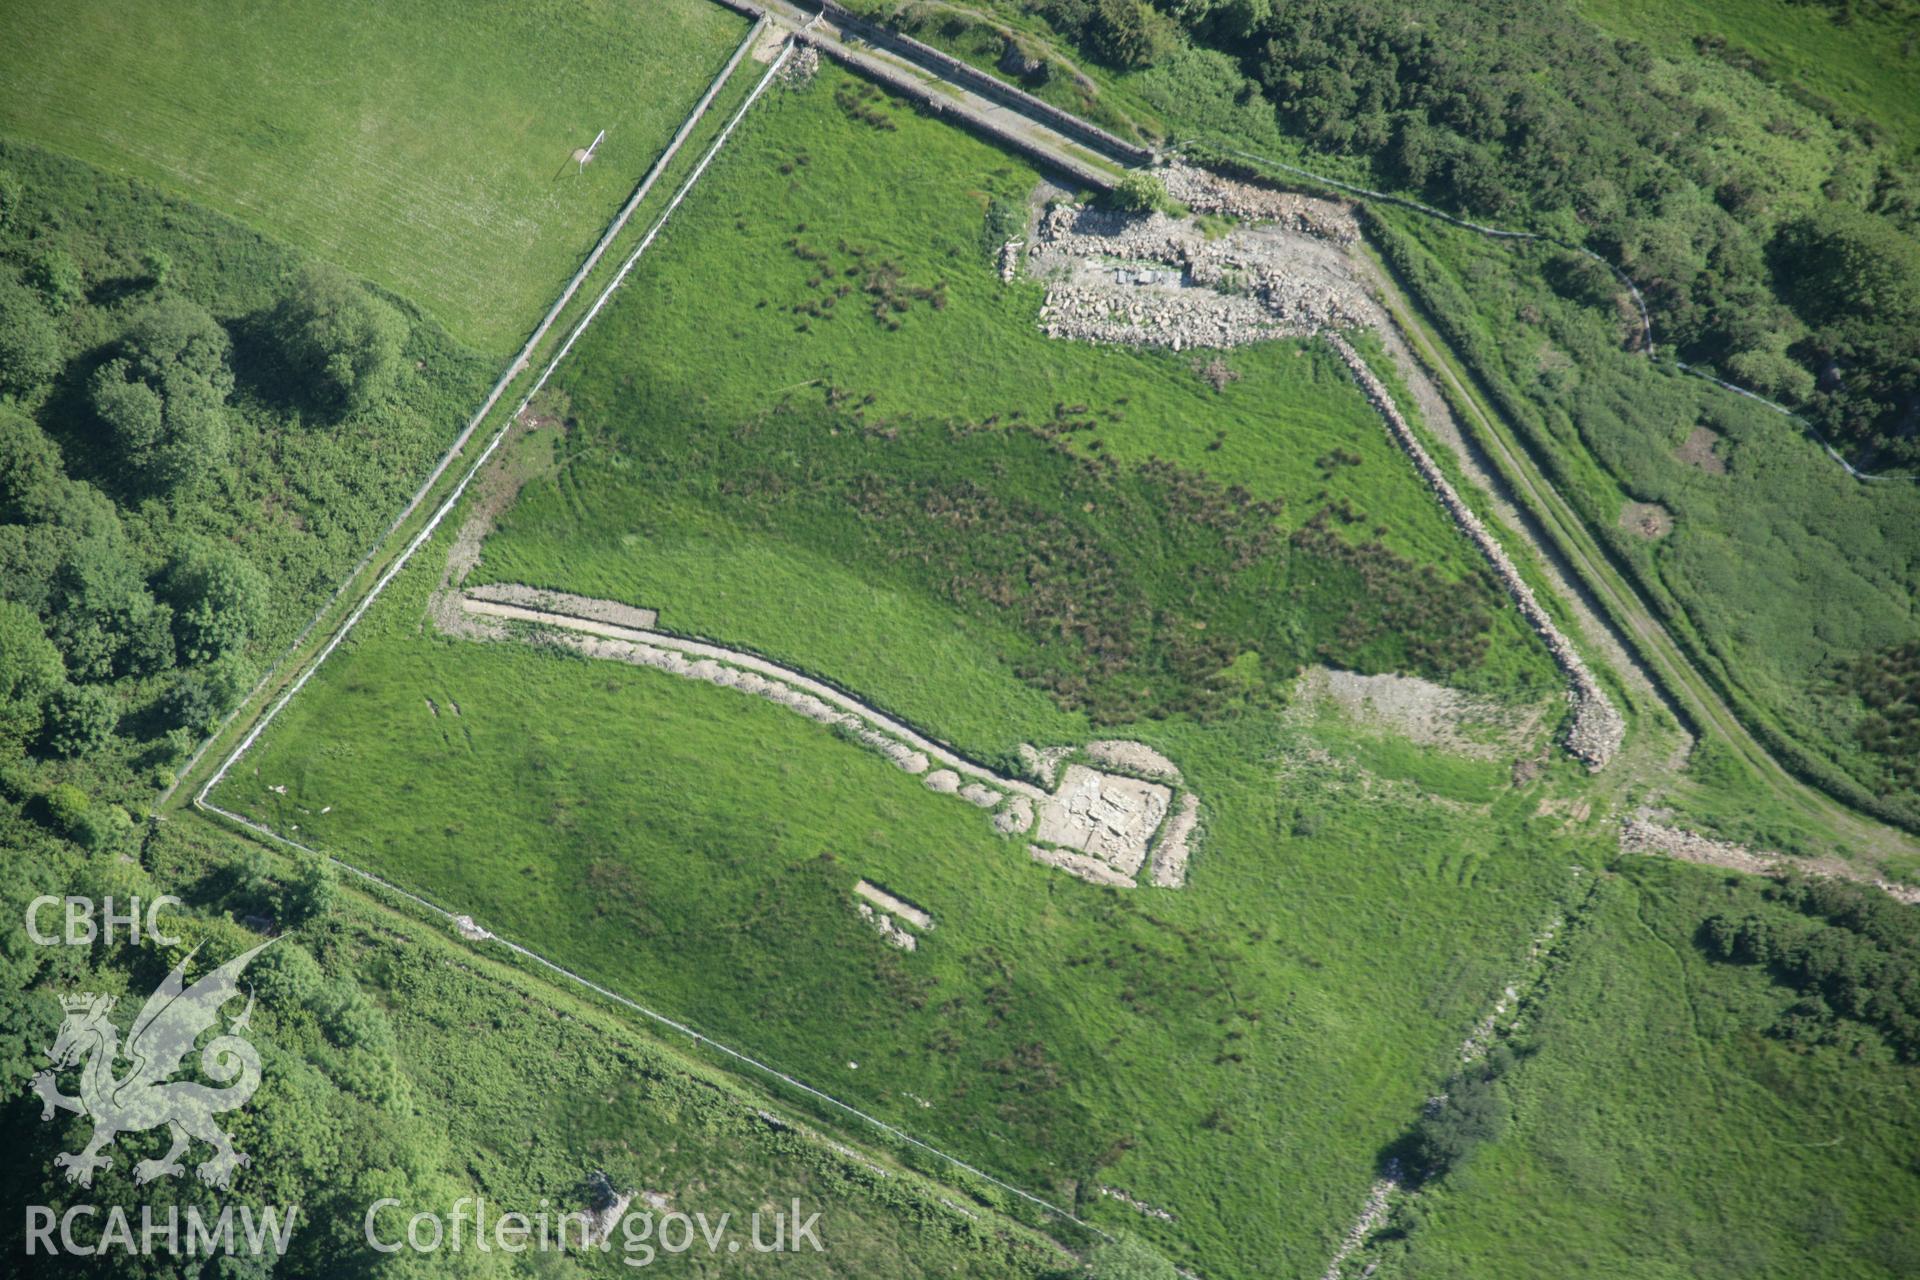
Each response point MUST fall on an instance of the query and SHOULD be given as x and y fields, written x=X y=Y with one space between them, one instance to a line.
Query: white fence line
x=513 y=370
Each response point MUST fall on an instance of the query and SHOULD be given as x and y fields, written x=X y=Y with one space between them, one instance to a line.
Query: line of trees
x=129 y=601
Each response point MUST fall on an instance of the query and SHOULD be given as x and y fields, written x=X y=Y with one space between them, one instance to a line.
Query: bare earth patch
x=1701 y=450
x=1428 y=714
x=1648 y=519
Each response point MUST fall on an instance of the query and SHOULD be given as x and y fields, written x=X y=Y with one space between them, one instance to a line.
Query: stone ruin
x=1151 y=280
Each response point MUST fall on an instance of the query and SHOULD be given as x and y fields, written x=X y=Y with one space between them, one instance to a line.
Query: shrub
x=163 y=397
x=201 y=696
x=102 y=829
x=30 y=670
x=1140 y=192
x=105 y=621
x=30 y=469
x=55 y=274
x=342 y=341
x=80 y=719
x=30 y=348
x=287 y=977
x=1129 y=33
x=219 y=600
x=67 y=805
x=314 y=892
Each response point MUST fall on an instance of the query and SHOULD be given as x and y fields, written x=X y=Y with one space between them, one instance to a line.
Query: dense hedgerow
x=199 y=432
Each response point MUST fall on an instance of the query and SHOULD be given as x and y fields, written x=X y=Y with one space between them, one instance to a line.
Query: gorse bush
x=167 y=517
x=342 y=342
x=1854 y=953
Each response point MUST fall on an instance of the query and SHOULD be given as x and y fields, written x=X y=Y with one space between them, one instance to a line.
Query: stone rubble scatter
x=1137 y=1205
x=1597 y=729
x=1010 y=259
x=1015 y=817
x=898 y=906
x=1171 y=854
x=975 y=794
x=1251 y=285
x=801 y=66
x=467 y=929
x=1372 y=1218
x=1044 y=765
x=1092 y=870
x=892 y=932
x=1132 y=757
x=1206 y=192
x=1639 y=834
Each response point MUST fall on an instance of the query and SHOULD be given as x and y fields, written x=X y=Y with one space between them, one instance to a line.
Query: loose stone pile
x=892 y=932
x=1207 y=192
x=1132 y=757
x=1171 y=854
x=1097 y=825
x=1250 y=285
x=1597 y=729
x=1639 y=835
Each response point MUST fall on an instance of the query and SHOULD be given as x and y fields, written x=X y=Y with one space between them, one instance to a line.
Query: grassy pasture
x=1660 y=1131
x=718 y=407
x=1275 y=1024
x=424 y=146
x=1866 y=63
x=1779 y=571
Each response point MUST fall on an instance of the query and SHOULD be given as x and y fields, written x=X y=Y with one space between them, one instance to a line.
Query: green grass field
x=1240 y=1053
x=424 y=146
x=1866 y=64
x=721 y=415
x=1661 y=1131
x=1777 y=569
x=1275 y=1023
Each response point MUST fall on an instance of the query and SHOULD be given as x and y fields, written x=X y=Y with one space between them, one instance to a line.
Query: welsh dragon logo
x=144 y=1096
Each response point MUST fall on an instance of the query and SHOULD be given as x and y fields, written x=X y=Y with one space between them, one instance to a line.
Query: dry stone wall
x=1597 y=729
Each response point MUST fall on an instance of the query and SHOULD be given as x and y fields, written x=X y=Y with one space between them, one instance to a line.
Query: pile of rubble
x=1597 y=728
x=1640 y=834
x=1171 y=854
x=1372 y=1217
x=1207 y=192
x=1253 y=284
